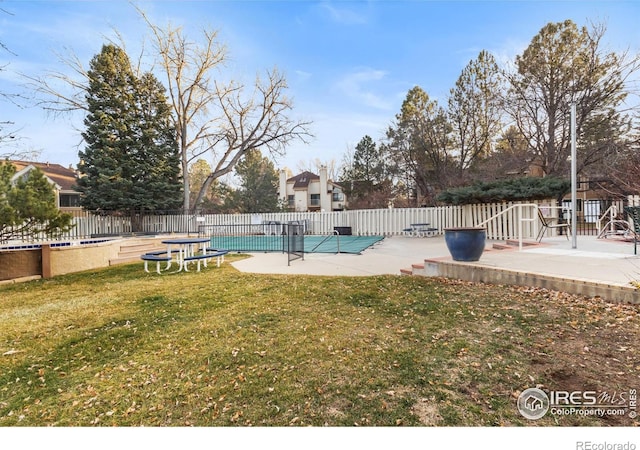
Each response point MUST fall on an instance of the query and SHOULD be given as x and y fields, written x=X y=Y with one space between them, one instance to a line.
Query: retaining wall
x=47 y=261
x=492 y=275
x=62 y=260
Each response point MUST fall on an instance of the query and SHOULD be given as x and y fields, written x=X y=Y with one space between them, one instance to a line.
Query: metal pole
x=520 y=228
x=574 y=180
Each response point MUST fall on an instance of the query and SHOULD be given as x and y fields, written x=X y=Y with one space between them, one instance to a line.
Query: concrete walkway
x=605 y=262
x=388 y=256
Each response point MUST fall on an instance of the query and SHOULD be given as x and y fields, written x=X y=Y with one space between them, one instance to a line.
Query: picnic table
x=186 y=247
x=421 y=230
x=183 y=251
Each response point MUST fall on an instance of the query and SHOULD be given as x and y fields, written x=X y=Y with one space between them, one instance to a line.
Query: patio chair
x=634 y=215
x=548 y=223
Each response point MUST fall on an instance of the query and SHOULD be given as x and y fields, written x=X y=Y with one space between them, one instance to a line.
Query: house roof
x=62 y=176
x=302 y=180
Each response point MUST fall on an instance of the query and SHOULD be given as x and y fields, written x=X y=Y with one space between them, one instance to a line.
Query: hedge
x=516 y=189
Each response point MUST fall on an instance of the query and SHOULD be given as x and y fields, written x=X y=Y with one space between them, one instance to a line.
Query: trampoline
x=312 y=243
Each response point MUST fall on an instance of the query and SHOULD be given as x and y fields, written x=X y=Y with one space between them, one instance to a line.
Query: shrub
x=517 y=189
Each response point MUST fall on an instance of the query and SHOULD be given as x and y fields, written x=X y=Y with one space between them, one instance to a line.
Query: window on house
x=291 y=201
x=337 y=196
x=315 y=199
x=69 y=200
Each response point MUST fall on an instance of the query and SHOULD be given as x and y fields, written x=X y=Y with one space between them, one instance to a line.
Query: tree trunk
x=185 y=176
x=186 y=191
x=205 y=187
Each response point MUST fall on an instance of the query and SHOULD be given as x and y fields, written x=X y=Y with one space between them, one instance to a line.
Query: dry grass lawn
x=222 y=348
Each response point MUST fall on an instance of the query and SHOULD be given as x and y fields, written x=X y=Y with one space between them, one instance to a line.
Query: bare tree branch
x=259 y=122
x=58 y=92
x=216 y=116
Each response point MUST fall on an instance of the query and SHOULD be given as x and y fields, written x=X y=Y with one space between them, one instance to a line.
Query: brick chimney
x=282 y=192
x=325 y=195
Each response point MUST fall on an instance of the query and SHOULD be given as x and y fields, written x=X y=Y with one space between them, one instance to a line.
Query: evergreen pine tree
x=155 y=153
x=28 y=205
x=131 y=160
x=258 y=190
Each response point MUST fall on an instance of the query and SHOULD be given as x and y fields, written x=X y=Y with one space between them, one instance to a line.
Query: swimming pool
x=312 y=243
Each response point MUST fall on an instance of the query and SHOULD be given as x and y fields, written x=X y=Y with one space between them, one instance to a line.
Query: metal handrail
x=521 y=219
x=611 y=226
x=611 y=213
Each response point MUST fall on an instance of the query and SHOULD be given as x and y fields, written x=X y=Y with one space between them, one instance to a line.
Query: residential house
x=310 y=192
x=61 y=178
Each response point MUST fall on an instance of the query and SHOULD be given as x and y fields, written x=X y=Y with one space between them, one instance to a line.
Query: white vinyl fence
x=385 y=222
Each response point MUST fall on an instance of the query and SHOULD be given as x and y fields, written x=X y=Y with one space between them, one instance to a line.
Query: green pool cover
x=312 y=243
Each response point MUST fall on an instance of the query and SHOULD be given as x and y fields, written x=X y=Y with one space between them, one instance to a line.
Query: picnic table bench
x=420 y=230
x=157 y=257
x=204 y=257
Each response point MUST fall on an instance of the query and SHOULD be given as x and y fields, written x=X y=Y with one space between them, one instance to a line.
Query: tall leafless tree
x=219 y=116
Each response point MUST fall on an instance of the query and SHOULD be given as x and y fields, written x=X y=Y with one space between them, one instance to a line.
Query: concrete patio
x=596 y=267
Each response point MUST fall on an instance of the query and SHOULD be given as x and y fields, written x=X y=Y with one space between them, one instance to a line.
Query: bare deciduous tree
x=188 y=69
x=623 y=168
x=59 y=92
x=5 y=136
x=216 y=116
x=258 y=122
x=314 y=166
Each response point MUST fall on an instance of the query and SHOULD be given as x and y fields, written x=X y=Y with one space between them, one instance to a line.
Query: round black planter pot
x=465 y=244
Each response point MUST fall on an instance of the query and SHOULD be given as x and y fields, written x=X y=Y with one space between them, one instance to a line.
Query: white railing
x=614 y=224
x=610 y=216
x=514 y=215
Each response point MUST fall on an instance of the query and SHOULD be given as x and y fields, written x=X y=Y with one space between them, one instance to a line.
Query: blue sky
x=349 y=64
